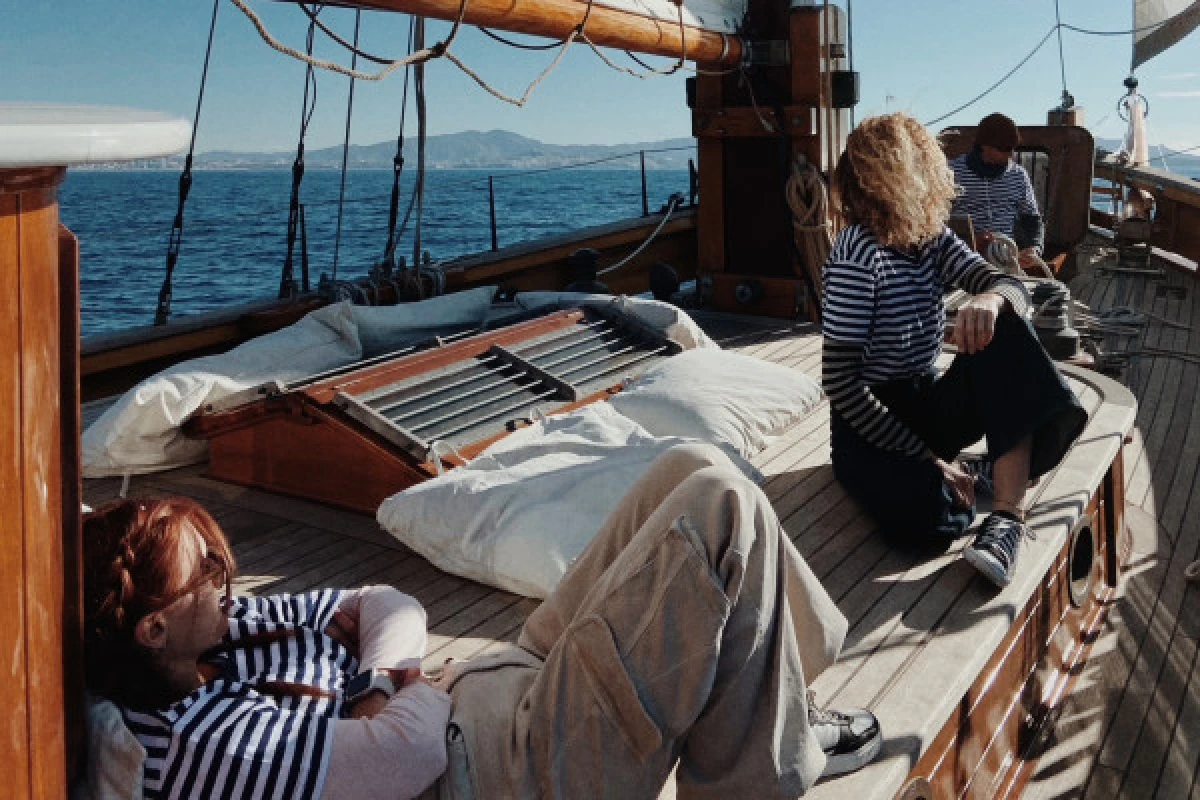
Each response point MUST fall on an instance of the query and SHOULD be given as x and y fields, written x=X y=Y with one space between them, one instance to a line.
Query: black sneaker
x=994 y=551
x=850 y=739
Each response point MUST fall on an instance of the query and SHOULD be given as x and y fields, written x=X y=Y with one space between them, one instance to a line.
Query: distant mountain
x=466 y=150
x=1187 y=162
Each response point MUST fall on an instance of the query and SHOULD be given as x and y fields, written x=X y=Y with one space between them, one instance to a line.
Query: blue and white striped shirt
x=229 y=740
x=993 y=204
x=884 y=319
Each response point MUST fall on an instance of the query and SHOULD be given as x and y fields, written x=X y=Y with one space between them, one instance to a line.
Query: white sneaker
x=851 y=739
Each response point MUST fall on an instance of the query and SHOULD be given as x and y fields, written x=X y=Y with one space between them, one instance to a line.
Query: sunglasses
x=212 y=570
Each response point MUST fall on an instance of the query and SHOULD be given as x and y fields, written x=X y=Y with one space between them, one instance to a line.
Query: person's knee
x=682 y=460
x=725 y=509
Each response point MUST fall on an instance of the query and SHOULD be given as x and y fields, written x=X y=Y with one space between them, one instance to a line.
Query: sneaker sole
x=991 y=569
x=849 y=762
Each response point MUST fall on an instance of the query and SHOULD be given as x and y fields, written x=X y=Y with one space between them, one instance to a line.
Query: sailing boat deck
x=910 y=617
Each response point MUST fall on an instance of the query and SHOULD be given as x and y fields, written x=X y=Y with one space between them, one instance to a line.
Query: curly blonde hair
x=894 y=180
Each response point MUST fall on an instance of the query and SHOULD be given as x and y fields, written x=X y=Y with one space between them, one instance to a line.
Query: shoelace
x=817 y=715
x=1001 y=535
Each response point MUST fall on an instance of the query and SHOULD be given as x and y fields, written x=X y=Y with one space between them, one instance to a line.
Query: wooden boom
x=606 y=27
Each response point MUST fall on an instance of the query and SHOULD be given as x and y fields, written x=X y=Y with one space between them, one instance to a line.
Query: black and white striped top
x=883 y=319
x=993 y=204
x=229 y=740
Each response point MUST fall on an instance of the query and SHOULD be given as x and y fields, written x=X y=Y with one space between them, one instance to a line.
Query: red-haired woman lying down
x=683 y=638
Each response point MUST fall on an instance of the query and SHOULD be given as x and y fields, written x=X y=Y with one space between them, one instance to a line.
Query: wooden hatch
x=355 y=436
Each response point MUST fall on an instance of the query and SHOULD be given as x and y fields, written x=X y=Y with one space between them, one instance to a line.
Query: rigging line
x=425 y=54
x=419 y=185
x=519 y=45
x=1062 y=64
x=337 y=238
x=524 y=98
x=997 y=84
x=1184 y=151
x=332 y=34
x=671 y=206
x=175 y=240
x=650 y=71
x=389 y=250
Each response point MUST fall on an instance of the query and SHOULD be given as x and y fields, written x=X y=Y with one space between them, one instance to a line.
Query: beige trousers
x=680 y=640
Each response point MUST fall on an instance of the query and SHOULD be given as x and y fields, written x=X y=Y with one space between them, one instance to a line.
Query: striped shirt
x=995 y=204
x=228 y=740
x=883 y=319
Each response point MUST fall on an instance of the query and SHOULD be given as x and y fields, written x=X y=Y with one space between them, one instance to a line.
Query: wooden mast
x=749 y=127
x=606 y=26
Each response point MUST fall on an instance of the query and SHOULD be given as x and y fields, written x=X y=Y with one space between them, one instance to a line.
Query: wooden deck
x=1122 y=732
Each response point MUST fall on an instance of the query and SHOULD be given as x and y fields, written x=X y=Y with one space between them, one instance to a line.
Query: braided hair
x=131 y=568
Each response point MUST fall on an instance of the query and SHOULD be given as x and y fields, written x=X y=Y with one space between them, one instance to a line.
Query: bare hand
x=343 y=629
x=975 y=323
x=961 y=485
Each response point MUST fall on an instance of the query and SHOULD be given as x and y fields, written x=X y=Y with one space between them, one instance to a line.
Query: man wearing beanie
x=996 y=192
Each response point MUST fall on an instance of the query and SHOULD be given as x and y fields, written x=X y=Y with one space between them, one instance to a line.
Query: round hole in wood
x=1083 y=557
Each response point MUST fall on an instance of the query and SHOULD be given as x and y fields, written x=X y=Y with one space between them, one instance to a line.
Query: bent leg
x=907 y=497
x=694 y=643
x=551 y=618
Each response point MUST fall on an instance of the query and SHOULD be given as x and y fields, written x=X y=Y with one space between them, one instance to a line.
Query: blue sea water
x=235 y=227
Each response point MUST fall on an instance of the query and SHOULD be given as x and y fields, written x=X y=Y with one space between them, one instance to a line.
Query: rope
x=649 y=71
x=995 y=85
x=519 y=45
x=287 y=283
x=675 y=201
x=418 y=57
x=1062 y=63
x=337 y=237
x=353 y=48
x=389 y=250
x=422 y=120
x=808 y=200
x=175 y=240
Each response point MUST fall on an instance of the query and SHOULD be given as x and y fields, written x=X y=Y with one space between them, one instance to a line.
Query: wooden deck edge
x=995 y=700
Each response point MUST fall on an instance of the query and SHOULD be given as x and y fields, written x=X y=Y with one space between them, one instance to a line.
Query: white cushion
x=520 y=513
x=735 y=401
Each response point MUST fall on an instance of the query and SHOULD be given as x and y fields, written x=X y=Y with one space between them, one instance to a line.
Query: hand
x=374 y=702
x=975 y=323
x=962 y=485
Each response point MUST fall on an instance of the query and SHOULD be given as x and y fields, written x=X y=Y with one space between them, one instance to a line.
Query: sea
x=235 y=227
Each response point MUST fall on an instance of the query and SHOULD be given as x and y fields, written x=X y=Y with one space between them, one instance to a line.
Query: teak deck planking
x=895 y=603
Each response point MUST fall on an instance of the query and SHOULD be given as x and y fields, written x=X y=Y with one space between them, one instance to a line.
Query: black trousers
x=1007 y=391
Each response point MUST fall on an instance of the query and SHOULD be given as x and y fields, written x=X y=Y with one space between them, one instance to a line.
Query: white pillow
x=735 y=401
x=520 y=513
x=382 y=329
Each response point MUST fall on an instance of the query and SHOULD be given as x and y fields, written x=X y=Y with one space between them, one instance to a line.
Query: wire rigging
x=1067 y=100
x=337 y=238
x=162 y=311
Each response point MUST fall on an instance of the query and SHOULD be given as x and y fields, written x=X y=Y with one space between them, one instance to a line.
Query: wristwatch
x=373 y=680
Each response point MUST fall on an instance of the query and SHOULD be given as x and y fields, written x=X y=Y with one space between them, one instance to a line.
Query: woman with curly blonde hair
x=897 y=423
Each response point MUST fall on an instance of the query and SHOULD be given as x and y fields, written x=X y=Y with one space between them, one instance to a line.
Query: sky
x=923 y=57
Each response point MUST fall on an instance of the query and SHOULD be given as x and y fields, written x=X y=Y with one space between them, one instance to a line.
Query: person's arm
x=397 y=753
x=384 y=627
x=962 y=267
x=1029 y=229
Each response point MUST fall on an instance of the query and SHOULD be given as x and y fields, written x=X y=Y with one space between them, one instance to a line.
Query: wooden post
x=749 y=128
x=34 y=484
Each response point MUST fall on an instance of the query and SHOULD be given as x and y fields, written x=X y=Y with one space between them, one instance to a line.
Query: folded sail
x=1160 y=24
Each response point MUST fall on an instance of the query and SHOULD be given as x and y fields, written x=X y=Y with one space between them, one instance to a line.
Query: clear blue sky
x=924 y=58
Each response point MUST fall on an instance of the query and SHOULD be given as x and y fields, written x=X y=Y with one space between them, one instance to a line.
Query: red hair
x=131 y=568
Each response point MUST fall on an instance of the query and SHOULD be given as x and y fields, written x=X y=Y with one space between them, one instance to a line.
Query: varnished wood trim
x=606 y=27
